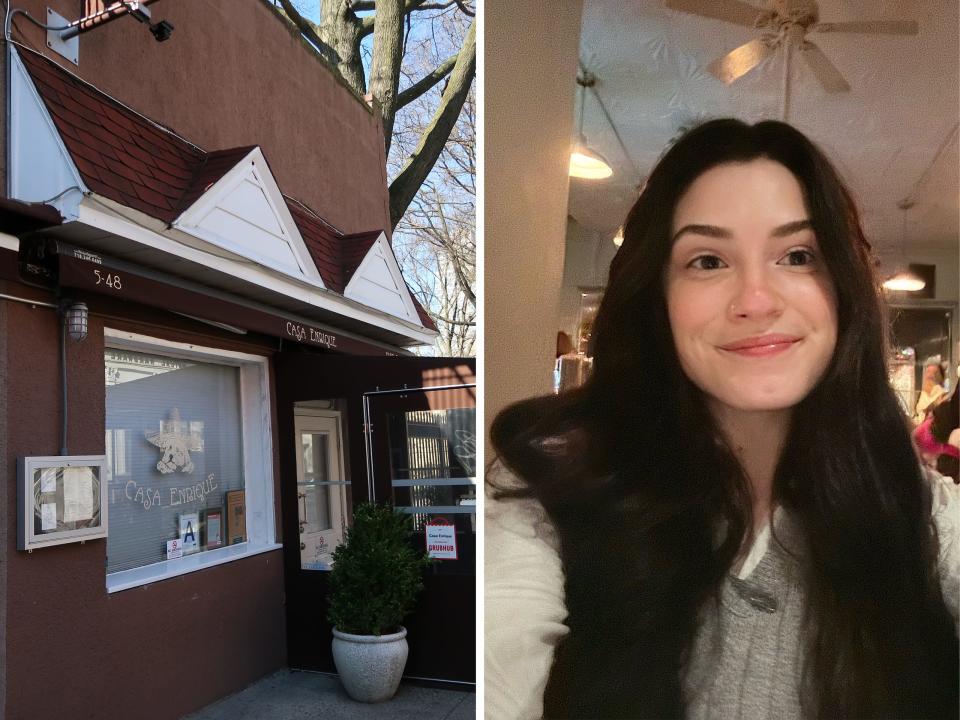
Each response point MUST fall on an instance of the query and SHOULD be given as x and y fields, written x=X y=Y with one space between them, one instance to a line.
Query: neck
x=757 y=439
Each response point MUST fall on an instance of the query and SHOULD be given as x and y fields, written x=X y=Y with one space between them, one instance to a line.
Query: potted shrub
x=375 y=579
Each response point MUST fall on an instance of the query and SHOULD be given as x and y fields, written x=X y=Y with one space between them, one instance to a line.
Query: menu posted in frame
x=236 y=517
x=60 y=499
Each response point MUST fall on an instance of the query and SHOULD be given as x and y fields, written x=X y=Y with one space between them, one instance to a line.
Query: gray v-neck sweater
x=747 y=659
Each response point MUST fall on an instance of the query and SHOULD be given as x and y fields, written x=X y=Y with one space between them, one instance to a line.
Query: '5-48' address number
x=111 y=280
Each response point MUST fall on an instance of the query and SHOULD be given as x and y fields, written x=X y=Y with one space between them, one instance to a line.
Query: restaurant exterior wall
x=232 y=74
x=155 y=651
x=235 y=74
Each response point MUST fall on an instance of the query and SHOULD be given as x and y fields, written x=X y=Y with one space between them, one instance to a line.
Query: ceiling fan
x=786 y=23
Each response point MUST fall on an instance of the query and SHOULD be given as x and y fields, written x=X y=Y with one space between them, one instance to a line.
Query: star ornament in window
x=177 y=439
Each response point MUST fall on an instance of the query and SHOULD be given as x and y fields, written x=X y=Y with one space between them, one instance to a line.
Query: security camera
x=162 y=30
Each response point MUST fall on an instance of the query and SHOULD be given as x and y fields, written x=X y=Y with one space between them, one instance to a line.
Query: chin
x=764 y=405
x=753 y=399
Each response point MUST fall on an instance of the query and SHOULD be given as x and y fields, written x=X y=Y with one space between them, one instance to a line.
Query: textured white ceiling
x=650 y=65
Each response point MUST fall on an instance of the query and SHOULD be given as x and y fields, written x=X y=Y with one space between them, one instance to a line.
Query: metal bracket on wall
x=70 y=49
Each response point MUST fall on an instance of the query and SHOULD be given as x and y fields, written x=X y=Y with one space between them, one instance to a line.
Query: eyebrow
x=720 y=232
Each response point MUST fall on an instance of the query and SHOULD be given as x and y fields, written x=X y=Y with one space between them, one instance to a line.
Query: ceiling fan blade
x=885 y=27
x=826 y=71
x=732 y=11
x=740 y=61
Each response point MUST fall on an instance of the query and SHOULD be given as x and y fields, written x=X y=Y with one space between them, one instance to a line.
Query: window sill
x=138 y=577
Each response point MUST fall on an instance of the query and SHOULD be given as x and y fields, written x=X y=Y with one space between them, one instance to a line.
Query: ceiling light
x=584 y=162
x=588 y=164
x=904 y=280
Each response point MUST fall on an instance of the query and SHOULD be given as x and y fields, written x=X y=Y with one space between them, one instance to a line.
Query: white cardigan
x=524 y=606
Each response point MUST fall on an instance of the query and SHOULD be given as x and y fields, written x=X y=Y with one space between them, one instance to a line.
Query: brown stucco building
x=218 y=204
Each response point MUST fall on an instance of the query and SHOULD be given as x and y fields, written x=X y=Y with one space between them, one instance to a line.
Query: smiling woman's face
x=750 y=301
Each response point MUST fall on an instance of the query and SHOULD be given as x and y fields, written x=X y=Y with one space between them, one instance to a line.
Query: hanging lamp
x=584 y=162
x=903 y=279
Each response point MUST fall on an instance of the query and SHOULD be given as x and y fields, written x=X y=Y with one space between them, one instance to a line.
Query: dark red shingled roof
x=214 y=166
x=125 y=157
x=427 y=321
x=323 y=242
x=119 y=154
x=353 y=250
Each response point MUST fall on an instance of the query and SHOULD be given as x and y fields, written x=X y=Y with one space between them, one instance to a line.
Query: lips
x=762 y=345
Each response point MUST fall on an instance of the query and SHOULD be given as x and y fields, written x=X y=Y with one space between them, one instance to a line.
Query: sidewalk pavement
x=297 y=695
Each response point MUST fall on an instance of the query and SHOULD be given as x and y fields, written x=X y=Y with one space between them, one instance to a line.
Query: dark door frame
x=303 y=375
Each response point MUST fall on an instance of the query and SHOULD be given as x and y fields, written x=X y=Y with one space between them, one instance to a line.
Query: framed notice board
x=61 y=499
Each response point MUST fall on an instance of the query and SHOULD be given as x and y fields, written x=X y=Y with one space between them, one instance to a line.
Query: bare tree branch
x=410 y=6
x=406 y=184
x=465 y=10
x=368 y=22
x=450 y=321
x=430 y=6
x=426 y=82
x=310 y=32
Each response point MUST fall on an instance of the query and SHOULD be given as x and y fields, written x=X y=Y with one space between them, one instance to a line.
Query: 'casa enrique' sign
x=151 y=497
x=307 y=334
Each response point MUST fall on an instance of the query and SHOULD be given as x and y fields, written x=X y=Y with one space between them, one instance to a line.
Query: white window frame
x=257 y=458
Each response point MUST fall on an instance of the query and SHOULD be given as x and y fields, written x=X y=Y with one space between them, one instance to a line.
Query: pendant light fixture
x=903 y=280
x=584 y=162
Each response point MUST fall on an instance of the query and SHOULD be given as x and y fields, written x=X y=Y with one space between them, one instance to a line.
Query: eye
x=798 y=257
x=706 y=262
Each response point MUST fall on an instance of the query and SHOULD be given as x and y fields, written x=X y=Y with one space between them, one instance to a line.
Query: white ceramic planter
x=370 y=666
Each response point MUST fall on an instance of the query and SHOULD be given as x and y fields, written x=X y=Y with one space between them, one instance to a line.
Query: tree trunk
x=341 y=30
x=408 y=182
x=385 y=63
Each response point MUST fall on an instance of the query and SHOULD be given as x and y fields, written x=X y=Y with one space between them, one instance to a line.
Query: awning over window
x=55 y=262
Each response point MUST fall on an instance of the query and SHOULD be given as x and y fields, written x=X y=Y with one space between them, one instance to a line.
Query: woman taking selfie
x=728 y=520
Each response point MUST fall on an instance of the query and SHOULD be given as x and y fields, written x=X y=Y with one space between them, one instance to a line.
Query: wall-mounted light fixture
x=75 y=318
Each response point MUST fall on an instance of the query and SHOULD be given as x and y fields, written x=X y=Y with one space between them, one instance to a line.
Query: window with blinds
x=174 y=446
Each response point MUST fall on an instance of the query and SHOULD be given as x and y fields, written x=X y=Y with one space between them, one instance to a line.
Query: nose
x=755 y=296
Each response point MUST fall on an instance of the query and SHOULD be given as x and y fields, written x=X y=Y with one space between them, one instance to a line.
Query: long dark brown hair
x=635 y=458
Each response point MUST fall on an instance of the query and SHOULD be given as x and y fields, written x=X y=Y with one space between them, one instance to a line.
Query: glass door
x=433 y=467
x=421 y=445
x=321 y=488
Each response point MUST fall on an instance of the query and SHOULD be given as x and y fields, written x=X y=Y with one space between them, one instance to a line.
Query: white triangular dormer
x=379 y=283
x=41 y=169
x=245 y=213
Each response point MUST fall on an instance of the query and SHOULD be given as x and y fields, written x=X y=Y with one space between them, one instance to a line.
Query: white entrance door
x=321 y=487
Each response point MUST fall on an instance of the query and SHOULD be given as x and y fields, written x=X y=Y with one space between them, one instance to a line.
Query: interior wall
x=531 y=51
x=587 y=264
